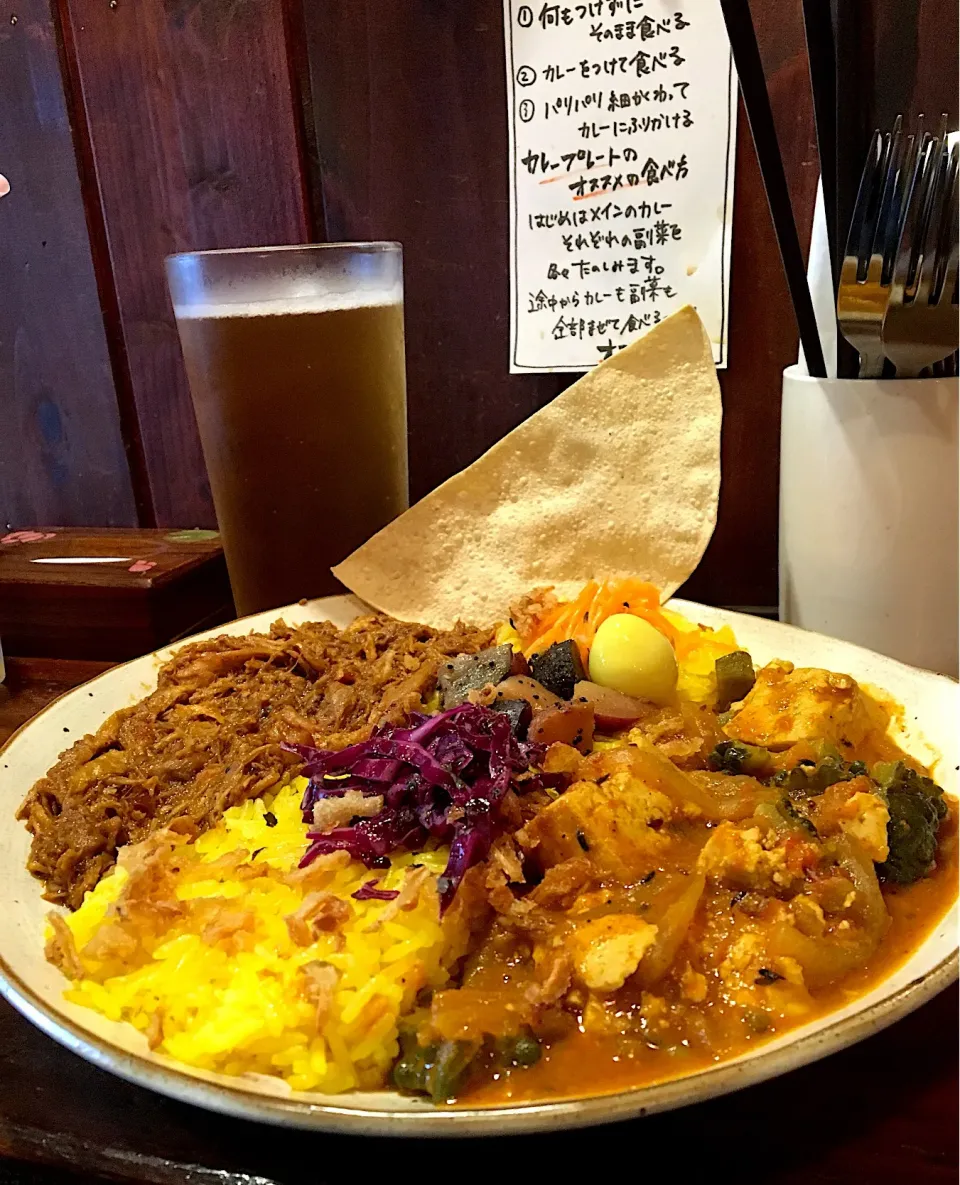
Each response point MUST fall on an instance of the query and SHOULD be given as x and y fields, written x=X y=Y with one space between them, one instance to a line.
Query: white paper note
x=622 y=123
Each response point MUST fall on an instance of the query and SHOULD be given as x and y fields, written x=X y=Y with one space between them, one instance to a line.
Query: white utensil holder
x=868 y=513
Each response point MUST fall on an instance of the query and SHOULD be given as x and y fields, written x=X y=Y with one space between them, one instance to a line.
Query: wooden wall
x=133 y=128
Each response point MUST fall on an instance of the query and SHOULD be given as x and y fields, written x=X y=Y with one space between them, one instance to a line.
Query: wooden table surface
x=881 y=1113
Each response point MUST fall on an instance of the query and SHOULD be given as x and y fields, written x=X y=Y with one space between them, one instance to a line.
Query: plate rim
x=456 y=1121
x=518 y=1118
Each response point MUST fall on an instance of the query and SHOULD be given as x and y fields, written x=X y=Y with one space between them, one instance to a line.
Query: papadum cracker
x=618 y=476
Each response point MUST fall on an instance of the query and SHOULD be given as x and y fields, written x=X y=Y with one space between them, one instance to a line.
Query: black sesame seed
x=270 y=818
x=582 y=841
x=645 y=880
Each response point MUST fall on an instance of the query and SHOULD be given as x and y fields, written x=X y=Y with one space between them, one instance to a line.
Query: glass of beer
x=295 y=361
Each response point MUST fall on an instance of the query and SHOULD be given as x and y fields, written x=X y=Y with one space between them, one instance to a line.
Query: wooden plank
x=194 y=140
x=62 y=457
x=916 y=65
x=410 y=118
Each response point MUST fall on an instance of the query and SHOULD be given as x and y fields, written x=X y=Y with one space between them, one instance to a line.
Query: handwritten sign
x=622 y=122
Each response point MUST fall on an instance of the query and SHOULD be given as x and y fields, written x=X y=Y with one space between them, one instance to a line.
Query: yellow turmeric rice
x=208 y=1000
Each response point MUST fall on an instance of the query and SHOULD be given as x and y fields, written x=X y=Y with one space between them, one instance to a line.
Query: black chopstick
x=753 y=87
x=853 y=40
x=822 y=57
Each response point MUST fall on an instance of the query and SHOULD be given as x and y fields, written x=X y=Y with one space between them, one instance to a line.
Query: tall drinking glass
x=295 y=361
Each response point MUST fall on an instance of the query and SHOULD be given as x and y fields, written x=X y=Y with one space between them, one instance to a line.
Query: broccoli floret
x=916 y=809
x=807 y=779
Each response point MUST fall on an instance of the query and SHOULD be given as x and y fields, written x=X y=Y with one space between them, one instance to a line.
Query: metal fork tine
x=906 y=175
x=944 y=125
x=872 y=210
x=908 y=246
x=934 y=217
x=868 y=181
x=948 y=248
x=892 y=166
x=920 y=327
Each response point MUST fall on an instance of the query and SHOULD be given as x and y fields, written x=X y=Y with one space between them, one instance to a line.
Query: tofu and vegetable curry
x=586 y=849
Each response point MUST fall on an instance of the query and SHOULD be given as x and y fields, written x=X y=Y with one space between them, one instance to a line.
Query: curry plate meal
x=585 y=848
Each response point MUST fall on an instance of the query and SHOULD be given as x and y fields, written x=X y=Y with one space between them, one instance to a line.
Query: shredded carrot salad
x=580 y=618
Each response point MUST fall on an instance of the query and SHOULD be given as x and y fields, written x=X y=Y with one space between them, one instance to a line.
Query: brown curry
x=587 y=1063
x=683 y=914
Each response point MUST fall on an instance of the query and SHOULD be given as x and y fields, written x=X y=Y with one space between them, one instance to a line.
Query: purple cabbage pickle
x=442 y=778
x=368 y=891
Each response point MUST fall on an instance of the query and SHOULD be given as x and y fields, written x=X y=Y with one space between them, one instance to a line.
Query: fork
x=921 y=326
x=867 y=267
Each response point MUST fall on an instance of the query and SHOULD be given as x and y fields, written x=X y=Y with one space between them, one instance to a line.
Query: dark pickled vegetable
x=737 y=757
x=519 y=666
x=435 y=1070
x=469 y=672
x=808 y=779
x=568 y=724
x=517 y=711
x=611 y=709
x=735 y=677
x=523 y=687
x=916 y=809
x=559 y=668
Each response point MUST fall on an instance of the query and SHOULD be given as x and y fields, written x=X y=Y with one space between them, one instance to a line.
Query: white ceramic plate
x=35 y=988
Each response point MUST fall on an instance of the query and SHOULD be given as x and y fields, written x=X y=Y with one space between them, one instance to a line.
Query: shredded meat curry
x=211 y=735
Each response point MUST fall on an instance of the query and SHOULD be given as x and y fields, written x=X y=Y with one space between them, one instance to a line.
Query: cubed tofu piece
x=607 y=951
x=739 y=858
x=790 y=704
x=745 y=956
x=853 y=808
x=865 y=817
x=610 y=822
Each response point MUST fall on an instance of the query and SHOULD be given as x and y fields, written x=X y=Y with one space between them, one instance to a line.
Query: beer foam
x=320 y=302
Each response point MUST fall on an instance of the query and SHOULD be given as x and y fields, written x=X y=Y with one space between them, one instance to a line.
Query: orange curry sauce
x=583 y=1062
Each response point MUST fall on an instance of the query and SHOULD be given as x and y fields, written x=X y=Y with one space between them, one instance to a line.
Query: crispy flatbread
x=618 y=476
